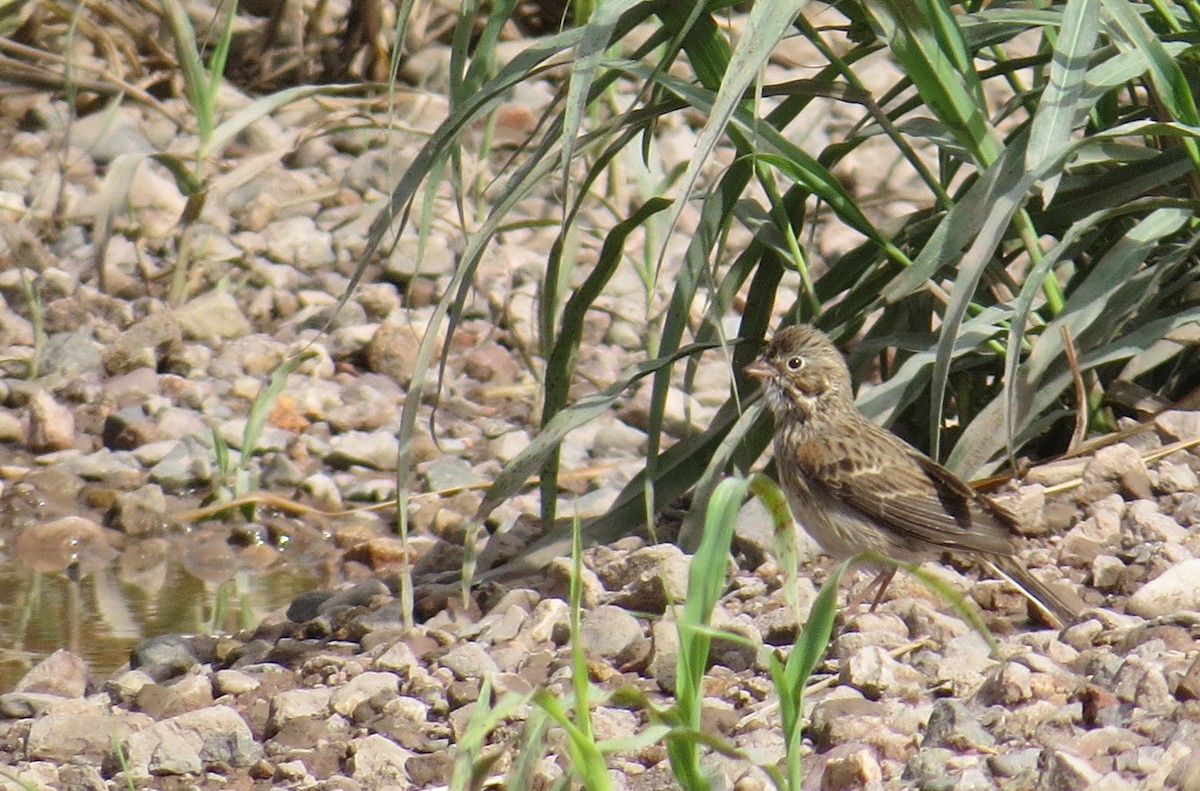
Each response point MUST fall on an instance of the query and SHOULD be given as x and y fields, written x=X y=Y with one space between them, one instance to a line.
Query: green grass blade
x=260 y=108
x=706 y=582
x=216 y=63
x=264 y=402
x=188 y=54
x=525 y=464
x=1169 y=80
x=925 y=39
x=1058 y=111
x=766 y=25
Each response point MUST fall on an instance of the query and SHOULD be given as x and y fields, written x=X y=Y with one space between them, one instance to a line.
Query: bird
x=855 y=486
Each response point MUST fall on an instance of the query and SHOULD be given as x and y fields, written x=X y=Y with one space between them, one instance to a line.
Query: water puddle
x=101 y=614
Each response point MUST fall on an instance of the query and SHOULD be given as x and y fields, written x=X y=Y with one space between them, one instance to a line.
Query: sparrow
x=855 y=486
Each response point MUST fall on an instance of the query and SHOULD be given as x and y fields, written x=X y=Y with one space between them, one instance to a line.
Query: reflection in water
x=102 y=613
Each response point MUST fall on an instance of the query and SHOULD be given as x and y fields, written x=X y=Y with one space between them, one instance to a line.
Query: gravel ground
x=108 y=451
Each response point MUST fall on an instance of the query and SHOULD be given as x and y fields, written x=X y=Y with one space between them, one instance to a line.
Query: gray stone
x=51 y=424
x=650 y=578
x=189 y=742
x=62 y=673
x=618 y=439
x=106 y=465
x=294 y=704
x=379 y=763
x=26 y=705
x=1175 y=425
x=612 y=633
x=70 y=354
x=548 y=618
x=954 y=725
x=1174 y=478
x=1106 y=572
x=188 y=464
x=431 y=258
x=398 y=658
x=76 y=729
x=663 y=666
x=874 y=672
x=144 y=345
x=468 y=661
x=212 y=316
x=346 y=698
x=130 y=428
x=1062 y=771
x=1175 y=590
x=392 y=351
x=1115 y=468
x=506 y=446
x=270 y=438
x=163 y=657
x=298 y=241
x=1009 y=684
x=106 y=136
x=1150 y=524
x=360 y=595
x=234 y=682
x=450 y=472
x=142 y=512
x=376 y=449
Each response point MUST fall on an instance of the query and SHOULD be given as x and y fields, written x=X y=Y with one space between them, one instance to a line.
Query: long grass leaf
x=1058 y=109
x=597 y=36
x=706 y=581
x=925 y=39
x=1170 y=82
x=517 y=472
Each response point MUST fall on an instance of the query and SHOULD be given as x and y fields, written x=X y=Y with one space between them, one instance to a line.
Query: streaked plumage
x=855 y=486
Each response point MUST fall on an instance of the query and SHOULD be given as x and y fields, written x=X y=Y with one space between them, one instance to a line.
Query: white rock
x=364 y=686
x=1148 y=523
x=1175 y=590
x=378 y=763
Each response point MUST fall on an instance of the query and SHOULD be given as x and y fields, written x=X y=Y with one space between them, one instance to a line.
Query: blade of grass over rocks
x=472 y=764
x=560 y=366
x=523 y=466
x=731 y=76
x=597 y=36
x=1058 y=112
x=586 y=756
x=706 y=582
x=736 y=441
x=1003 y=193
x=791 y=676
x=728 y=75
x=955 y=598
x=579 y=670
x=200 y=83
x=1171 y=85
x=256 y=420
x=531 y=749
x=783 y=533
x=264 y=402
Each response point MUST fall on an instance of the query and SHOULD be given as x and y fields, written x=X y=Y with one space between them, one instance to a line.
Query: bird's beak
x=758 y=369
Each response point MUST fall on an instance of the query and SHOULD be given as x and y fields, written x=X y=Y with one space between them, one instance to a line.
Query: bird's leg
x=881 y=581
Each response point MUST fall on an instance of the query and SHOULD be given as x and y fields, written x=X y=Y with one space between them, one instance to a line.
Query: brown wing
x=890 y=482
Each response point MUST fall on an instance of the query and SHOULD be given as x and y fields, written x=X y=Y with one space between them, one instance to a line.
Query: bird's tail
x=1061 y=606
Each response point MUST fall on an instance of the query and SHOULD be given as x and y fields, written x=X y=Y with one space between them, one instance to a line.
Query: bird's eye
x=795 y=363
